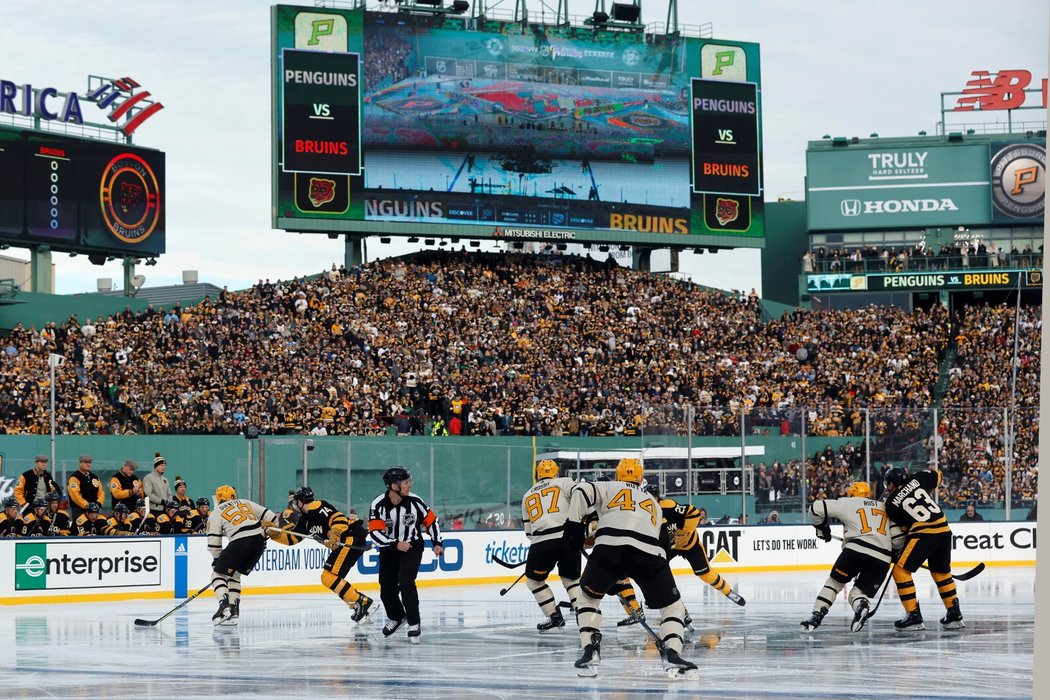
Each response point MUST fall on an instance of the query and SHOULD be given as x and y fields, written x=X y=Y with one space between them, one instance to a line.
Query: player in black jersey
x=61 y=523
x=121 y=522
x=34 y=523
x=910 y=504
x=345 y=536
x=90 y=523
x=8 y=517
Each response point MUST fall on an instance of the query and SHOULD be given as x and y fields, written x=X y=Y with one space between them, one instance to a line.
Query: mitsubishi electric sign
x=919 y=186
x=85 y=564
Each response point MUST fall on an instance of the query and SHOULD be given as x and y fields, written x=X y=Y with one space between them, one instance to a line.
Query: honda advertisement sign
x=918 y=186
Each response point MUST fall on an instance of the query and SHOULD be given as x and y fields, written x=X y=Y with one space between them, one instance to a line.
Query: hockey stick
x=153 y=623
x=503 y=591
x=138 y=530
x=505 y=564
x=964 y=576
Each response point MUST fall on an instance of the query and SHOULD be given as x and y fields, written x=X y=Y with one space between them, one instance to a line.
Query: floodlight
x=626 y=12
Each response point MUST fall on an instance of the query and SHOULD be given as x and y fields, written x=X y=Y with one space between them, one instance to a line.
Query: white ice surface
x=477 y=644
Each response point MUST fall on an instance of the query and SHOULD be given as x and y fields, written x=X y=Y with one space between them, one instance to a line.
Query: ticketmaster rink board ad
x=53 y=570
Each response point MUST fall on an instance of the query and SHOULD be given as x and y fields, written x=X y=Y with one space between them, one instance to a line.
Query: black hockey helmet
x=40 y=502
x=171 y=505
x=54 y=497
x=10 y=502
x=141 y=503
x=305 y=494
x=395 y=475
x=120 y=508
x=895 y=477
x=93 y=508
x=203 y=501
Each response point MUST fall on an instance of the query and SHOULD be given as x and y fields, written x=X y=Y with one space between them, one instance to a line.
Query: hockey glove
x=572 y=536
x=823 y=531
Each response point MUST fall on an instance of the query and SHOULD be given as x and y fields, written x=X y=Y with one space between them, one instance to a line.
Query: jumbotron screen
x=79 y=195
x=398 y=123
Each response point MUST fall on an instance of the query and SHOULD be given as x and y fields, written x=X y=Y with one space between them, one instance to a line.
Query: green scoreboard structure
x=408 y=124
x=982 y=193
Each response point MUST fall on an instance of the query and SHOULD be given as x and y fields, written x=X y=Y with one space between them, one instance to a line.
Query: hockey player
x=397 y=519
x=244 y=524
x=910 y=504
x=627 y=544
x=121 y=522
x=34 y=523
x=61 y=523
x=142 y=520
x=197 y=523
x=345 y=537
x=89 y=523
x=867 y=547
x=170 y=522
x=544 y=509
x=8 y=517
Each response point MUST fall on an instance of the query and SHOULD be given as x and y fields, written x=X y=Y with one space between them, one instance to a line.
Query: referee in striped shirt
x=396 y=522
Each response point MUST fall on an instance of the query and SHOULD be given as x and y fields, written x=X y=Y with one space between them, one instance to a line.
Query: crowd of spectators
x=920 y=258
x=446 y=342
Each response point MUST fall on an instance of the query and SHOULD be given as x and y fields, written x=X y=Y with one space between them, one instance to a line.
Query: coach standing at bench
x=35 y=483
x=84 y=487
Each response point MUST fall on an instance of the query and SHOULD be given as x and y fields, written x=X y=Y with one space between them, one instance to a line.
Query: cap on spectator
x=131 y=463
x=86 y=458
x=40 y=458
x=158 y=460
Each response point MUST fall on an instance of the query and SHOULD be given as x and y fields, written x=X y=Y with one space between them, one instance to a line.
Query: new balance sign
x=856 y=207
x=86 y=564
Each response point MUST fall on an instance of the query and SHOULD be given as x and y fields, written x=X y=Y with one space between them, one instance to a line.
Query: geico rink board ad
x=117 y=568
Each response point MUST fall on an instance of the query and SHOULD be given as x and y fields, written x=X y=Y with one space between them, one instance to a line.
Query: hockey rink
x=477 y=644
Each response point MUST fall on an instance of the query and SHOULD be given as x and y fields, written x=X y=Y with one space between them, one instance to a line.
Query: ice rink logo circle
x=494 y=47
x=1019 y=180
x=631 y=56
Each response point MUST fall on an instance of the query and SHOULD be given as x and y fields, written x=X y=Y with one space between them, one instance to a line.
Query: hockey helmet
x=546 y=469
x=203 y=501
x=171 y=505
x=895 y=477
x=120 y=509
x=304 y=494
x=40 y=503
x=54 y=497
x=395 y=475
x=93 y=508
x=10 y=503
x=859 y=489
x=629 y=469
x=225 y=493
x=141 y=503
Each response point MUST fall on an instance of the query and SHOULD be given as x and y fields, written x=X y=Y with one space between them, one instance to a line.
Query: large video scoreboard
x=394 y=123
x=80 y=195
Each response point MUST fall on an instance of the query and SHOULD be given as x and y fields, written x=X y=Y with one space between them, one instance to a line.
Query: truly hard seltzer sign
x=86 y=564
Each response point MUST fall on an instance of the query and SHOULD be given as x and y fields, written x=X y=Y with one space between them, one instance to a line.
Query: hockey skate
x=223 y=613
x=687 y=622
x=413 y=634
x=912 y=622
x=234 y=616
x=392 y=626
x=553 y=622
x=587 y=664
x=634 y=619
x=814 y=620
x=860 y=615
x=679 y=668
x=736 y=598
x=953 y=619
x=362 y=610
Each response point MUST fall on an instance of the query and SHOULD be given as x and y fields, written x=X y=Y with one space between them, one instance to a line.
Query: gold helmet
x=546 y=469
x=859 y=489
x=225 y=493
x=629 y=469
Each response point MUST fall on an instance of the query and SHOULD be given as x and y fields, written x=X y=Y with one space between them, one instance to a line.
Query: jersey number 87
x=534 y=502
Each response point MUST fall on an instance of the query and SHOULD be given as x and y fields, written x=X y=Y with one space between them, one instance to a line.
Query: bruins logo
x=129 y=196
x=727 y=210
x=322 y=191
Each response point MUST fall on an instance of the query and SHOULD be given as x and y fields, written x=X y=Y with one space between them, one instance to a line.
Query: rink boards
x=50 y=570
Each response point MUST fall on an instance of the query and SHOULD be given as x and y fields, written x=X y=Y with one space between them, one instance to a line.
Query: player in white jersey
x=867 y=549
x=627 y=545
x=544 y=509
x=244 y=524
